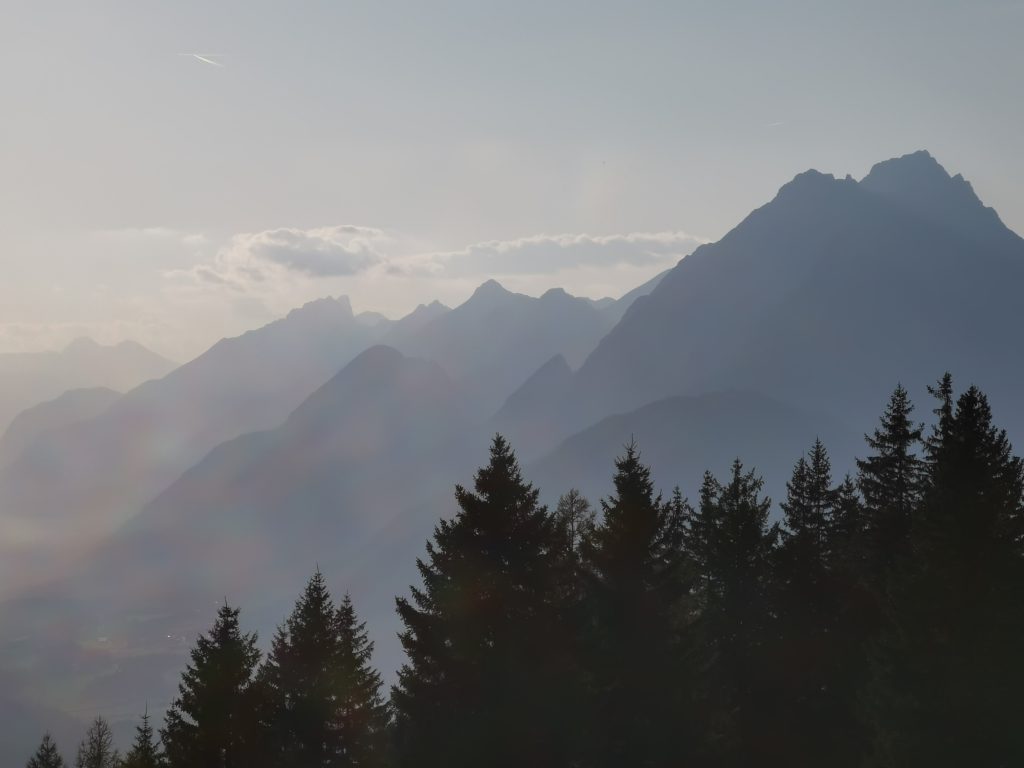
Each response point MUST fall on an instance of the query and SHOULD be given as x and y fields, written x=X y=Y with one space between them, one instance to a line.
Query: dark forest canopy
x=879 y=623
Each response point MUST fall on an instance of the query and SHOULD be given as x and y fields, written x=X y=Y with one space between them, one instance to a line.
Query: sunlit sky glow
x=400 y=152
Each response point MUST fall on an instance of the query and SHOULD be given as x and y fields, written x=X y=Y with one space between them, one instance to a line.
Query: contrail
x=204 y=58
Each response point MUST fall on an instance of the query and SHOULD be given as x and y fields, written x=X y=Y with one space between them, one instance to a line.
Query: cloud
x=254 y=259
x=548 y=254
x=325 y=252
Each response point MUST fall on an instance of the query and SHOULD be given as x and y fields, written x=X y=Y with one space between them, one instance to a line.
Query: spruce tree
x=363 y=714
x=891 y=481
x=145 y=752
x=97 y=748
x=948 y=670
x=46 y=756
x=321 y=700
x=811 y=596
x=210 y=723
x=483 y=684
x=733 y=546
x=640 y=582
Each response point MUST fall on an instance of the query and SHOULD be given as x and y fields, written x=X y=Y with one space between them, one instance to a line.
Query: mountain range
x=28 y=379
x=333 y=439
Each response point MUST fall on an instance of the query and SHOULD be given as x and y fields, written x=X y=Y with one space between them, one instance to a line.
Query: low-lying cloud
x=546 y=254
x=325 y=252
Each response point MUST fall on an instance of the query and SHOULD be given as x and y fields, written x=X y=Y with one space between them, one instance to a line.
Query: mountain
x=825 y=297
x=106 y=468
x=492 y=342
x=330 y=487
x=27 y=379
x=616 y=308
x=797 y=324
x=518 y=418
x=681 y=437
x=70 y=408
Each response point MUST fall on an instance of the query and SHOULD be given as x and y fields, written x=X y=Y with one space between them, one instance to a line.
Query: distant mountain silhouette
x=826 y=296
x=681 y=437
x=106 y=468
x=72 y=407
x=618 y=307
x=27 y=379
x=258 y=512
x=518 y=418
x=491 y=343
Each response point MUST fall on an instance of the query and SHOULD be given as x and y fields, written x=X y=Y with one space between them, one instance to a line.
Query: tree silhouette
x=46 y=756
x=483 y=681
x=733 y=550
x=891 y=482
x=321 y=701
x=145 y=752
x=210 y=723
x=947 y=668
x=97 y=748
x=640 y=578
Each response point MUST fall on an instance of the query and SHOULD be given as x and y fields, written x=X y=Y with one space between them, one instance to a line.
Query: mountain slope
x=27 y=379
x=106 y=468
x=332 y=487
x=70 y=408
x=681 y=437
x=827 y=295
x=492 y=342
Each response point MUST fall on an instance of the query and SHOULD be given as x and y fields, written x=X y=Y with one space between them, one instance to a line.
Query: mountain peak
x=82 y=344
x=556 y=295
x=918 y=169
x=490 y=289
x=811 y=183
x=329 y=306
x=917 y=182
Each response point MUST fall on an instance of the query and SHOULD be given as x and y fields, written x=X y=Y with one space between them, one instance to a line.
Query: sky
x=401 y=152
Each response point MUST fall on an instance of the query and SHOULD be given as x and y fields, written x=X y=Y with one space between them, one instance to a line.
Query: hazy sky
x=400 y=152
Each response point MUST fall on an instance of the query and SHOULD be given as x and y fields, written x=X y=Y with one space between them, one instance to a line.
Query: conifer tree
x=483 y=684
x=733 y=546
x=948 y=669
x=363 y=714
x=46 y=756
x=891 y=482
x=97 y=748
x=210 y=724
x=846 y=534
x=811 y=595
x=145 y=752
x=640 y=580
x=321 y=700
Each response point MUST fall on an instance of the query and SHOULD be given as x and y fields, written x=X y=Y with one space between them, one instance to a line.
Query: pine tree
x=947 y=670
x=733 y=546
x=321 y=699
x=47 y=756
x=811 y=595
x=363 y=715
x=846 y=545
x=145 y=752
x=210 y=723
x=640 y=582
x=97 y=748
x=486 y=651
x=891 y=482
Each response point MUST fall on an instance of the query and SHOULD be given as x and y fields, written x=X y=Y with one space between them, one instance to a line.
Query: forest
x=876 y=620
